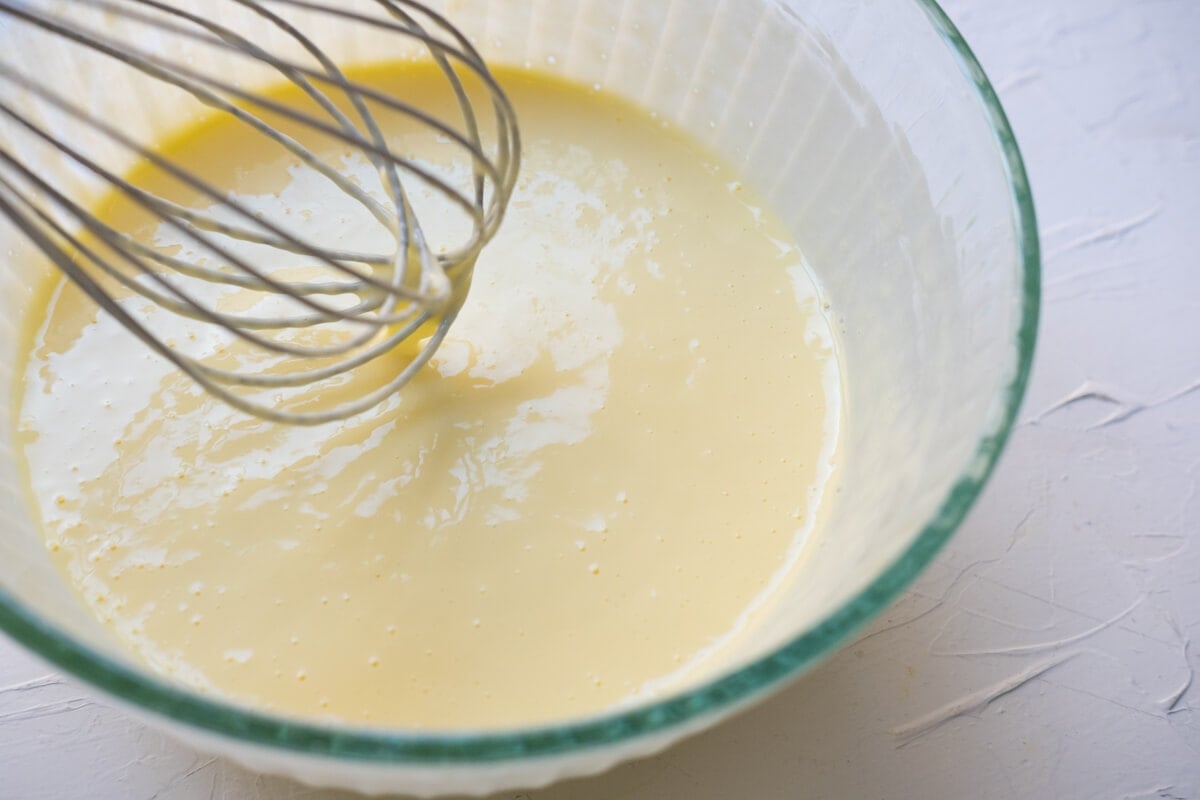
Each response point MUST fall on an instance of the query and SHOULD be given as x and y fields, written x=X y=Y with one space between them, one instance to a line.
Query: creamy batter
x=614 y=458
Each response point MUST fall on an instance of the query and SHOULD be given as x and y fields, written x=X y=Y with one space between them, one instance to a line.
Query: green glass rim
x=718 y=696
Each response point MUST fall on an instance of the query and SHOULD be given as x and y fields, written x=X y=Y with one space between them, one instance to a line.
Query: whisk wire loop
x=369 y=302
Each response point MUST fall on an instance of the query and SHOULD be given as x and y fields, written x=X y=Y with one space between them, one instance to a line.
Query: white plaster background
x=1051 y=650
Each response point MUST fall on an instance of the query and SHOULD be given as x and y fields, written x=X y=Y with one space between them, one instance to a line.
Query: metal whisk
x=287 y=286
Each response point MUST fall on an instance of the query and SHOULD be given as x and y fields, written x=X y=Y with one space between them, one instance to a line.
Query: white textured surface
x=1048 y=651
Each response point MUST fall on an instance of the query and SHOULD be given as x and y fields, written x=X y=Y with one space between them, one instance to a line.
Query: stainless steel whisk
x=374 y=301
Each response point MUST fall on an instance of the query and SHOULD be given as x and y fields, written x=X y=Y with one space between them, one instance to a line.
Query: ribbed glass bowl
x=873 y=132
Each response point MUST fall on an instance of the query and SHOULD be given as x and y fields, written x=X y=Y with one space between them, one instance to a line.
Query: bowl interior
x=872 y=134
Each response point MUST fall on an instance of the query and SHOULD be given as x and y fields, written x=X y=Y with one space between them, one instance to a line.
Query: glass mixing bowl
x=872 y=130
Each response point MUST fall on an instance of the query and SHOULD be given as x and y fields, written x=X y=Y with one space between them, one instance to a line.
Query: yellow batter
x=614 y=457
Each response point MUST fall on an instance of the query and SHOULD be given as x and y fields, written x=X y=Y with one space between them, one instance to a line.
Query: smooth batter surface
x=617 y=452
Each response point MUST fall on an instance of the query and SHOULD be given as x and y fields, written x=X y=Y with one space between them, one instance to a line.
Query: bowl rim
x=718 y=696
